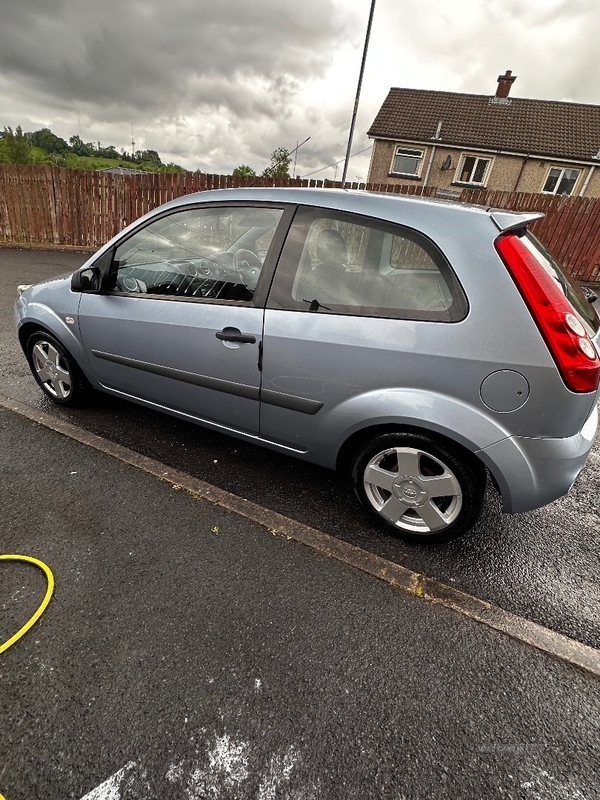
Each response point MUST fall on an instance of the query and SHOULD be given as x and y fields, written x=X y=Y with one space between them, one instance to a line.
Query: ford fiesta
x=415 y=345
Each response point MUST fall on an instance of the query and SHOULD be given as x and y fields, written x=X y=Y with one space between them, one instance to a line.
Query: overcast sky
x=212 y=84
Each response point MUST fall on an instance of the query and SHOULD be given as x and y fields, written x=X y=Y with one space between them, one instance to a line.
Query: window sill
x=404 y=176
x=469 y=185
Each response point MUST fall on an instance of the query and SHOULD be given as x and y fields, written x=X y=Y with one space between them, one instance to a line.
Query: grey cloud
x=210 y=84
x=551 y=46
x=157 y=56
x=215 y=84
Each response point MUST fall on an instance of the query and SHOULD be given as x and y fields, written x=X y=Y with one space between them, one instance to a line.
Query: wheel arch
x=356 y=441
x=78 y=384
x=28 y=328
x=70 y=342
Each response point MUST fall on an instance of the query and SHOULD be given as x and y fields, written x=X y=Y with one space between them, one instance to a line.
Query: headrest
x=331 y=247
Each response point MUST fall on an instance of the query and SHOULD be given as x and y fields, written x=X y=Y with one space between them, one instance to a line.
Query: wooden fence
x=80 y=208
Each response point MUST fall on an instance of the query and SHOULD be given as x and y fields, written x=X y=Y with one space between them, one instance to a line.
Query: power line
x=284 y=155
x=335 y=163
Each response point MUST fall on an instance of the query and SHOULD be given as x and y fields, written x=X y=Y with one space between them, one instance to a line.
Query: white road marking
x=228 y=768
x=278 y=774
x=111 y=788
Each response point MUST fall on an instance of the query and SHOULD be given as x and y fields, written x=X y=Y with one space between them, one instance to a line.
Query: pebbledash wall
x=79 y=208
x=515 y=173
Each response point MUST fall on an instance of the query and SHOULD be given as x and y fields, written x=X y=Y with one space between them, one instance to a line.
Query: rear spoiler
x=509 y=220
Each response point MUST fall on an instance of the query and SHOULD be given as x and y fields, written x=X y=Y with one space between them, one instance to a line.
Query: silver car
x=418 y=346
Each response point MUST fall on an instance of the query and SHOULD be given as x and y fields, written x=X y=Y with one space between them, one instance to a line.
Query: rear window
x=568 y=285
x=339 y=263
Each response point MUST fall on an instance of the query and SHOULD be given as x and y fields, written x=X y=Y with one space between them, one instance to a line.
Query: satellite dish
x=447 y=162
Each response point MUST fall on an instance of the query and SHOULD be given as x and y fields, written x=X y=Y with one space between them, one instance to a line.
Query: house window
x=407 y=162
x=472 y=169
x=561 y=180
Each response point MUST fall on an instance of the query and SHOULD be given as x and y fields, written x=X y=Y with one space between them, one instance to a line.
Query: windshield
x=569 y=285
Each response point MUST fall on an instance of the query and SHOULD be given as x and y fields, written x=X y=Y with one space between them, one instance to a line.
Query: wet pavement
x=543 y=565
x=188 y=654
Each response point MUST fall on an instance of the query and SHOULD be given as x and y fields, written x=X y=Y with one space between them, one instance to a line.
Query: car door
x=355 y=307
x=180 y=326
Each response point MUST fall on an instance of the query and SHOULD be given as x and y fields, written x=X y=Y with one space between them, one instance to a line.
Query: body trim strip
x=268 y=396
x=218 y=384
x=291 y=401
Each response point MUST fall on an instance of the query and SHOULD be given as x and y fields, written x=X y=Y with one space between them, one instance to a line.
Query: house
x=450 y=141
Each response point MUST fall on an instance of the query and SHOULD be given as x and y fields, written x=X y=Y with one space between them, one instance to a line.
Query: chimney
x=504 y=83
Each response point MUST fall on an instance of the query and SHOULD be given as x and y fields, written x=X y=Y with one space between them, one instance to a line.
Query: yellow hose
x=42 y=606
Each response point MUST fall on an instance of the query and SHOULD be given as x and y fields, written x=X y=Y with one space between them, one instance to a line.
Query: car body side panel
x=369 y=371
x=166 y=351
x=533 y=472
x=49 y=305
x=400 y=408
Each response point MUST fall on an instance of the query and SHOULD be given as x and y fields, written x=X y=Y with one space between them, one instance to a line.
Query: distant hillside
x=44 y=147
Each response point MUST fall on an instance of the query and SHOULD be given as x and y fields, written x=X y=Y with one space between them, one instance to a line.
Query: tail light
x=566 y=338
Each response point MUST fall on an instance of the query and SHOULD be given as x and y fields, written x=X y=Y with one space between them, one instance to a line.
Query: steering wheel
x=248 y=266
x=128 y=284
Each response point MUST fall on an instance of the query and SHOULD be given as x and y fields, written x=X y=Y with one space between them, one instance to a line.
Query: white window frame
x=560 y=177
x=411 y=152
x=477 y=157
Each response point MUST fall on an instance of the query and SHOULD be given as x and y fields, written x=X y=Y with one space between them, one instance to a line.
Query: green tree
x=243 y=171
x=151 y=157
x=172 y=167
x=80 y=148
x=107 y=152
x=48 y=141
x=17 y=146
x=280 y=164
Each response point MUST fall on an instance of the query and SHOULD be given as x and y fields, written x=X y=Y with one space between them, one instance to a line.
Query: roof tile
x=537 y=127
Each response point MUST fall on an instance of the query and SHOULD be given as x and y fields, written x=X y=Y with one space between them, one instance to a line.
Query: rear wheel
x=422 y=490
x=55 y=370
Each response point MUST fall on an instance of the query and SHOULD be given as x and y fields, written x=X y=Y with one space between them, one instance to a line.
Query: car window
x=348 y=264
x=214 y=253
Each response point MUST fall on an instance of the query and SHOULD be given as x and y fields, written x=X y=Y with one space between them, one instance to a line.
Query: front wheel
x=55 y=370
x=422 y=490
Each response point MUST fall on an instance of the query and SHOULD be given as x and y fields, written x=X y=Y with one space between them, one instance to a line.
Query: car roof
x=374 y=204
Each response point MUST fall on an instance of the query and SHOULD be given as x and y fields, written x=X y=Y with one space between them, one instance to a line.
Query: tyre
x=56 y=371
x=421 y=489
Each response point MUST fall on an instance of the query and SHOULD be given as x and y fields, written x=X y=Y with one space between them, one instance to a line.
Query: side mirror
x=94 y=279
x=589 y=294
x=86 y=280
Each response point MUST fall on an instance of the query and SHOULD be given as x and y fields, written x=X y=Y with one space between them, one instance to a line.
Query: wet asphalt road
x=543 y=565
x=187 y=654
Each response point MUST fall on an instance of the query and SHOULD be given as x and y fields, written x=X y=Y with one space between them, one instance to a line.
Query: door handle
x=233 y=335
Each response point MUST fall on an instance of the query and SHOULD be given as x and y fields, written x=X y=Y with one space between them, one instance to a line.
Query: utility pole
x=360 y=78
x=295 y=151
